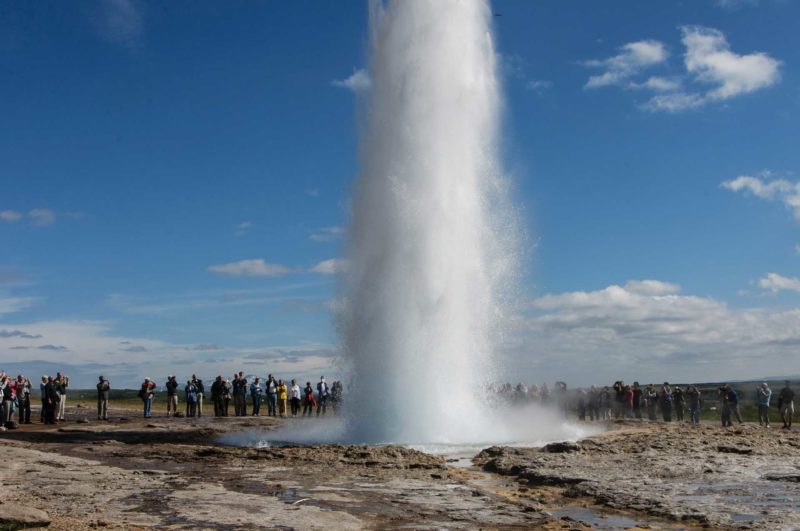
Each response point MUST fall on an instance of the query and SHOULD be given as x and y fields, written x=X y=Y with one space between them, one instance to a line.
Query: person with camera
x=763 y=397
x=201 y=390
x=695 y=402
x=786 y=405
x=172 y=395
x=61 y=382
x=103 y=390
x=255 y=395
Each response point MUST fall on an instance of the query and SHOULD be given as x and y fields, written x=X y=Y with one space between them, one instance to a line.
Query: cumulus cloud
x=250 y=268
x=648 y=330
x=710 y=62
x=632 y=59
x=359 y=81
x=332 y=266
x=774 y=282
x=781 y=190
x=326 y=234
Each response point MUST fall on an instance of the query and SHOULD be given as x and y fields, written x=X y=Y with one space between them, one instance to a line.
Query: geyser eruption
x=429 y=251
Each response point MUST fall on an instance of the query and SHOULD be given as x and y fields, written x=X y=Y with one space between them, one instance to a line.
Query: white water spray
x=429 y=242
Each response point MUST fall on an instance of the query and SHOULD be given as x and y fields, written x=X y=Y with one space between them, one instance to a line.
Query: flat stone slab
x=19 y=516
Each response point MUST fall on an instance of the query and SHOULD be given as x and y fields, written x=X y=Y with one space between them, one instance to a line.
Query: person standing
x=695 y=402
x=295 y=397
x=201 y=391
x=733 y=402
x=282 y=398
x=61 y=383
x=763 y=397
x=172 y=395
x=679 y=403
x=103 y=389
x=322 y=396
x=786 y=405
x=637 y=400
x=216 y=396
x=665 y=398
x=651 y=397
x=337 y=390
x=724 y=406
x=272 y=396
x=5 y=404
x=51 y=401
x=309 y=403
x=42 y=385
x=255 y=395
x=24 y=399
x=190 y=395
x=226 y=396
x=147 y=393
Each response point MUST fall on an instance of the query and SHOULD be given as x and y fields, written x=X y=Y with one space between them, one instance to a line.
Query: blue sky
x=148 y=149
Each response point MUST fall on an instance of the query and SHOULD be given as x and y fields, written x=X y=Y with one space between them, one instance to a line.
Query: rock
x=82 y=421
x=792 y=478
x=13 y=516
x=734 y=450
x=561 y=447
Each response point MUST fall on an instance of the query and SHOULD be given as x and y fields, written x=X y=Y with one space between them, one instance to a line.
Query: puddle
x=600 y=520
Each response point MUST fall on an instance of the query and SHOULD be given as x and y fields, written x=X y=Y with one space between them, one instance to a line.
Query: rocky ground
x=134 y=473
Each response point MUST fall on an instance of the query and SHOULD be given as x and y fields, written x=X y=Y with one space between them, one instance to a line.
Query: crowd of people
x=282 y=398
x=289 y=398
x=17 y=393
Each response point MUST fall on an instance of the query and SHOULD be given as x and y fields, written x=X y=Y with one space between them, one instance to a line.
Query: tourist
x=201 y=391
x=695 y=402
x=678 y=402
x=51 y=401
x=226 y=396
x=322 y=396
x=665 y=400
x=309 y=402
x=733 y=402
x=605 y=403
x=593 y=400
x=6 y=409
x=283 y=395
x=637 y=400
x=216 y=396
x=43 y=396
x=545 y=393
x=240 y=398
x=786 y=405
x=172 y=395
x=581 y=404
x=651 y=397
x=295 y=397
x=61 y=383
x=147 y=393
x=626 y=404
x=24 y=399
x=190 y=395
x=763 y=397
x=336 y=396
x=272 y=397
x=237 y=400
x=103 y=389
x=255 y=395
x=618 y=408
x=724 y=406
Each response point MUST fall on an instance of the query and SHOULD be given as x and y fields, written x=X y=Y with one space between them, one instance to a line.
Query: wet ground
x=174 y=473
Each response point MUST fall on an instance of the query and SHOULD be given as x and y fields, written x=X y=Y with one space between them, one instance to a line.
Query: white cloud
x=734 y=4
x=332 y=266
x=326 y=234
x=120 y=21
x=10 y=215
x=674 y=102
x=244 y=225
x=710 y=60
x=659 y=84
x=774 y=282
x=250 y=268
x=15 y=304
x=781 y=190
x=538 y=85
x=632 y=59
x=359 y=81
x=41 y=217
x=647 y=330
